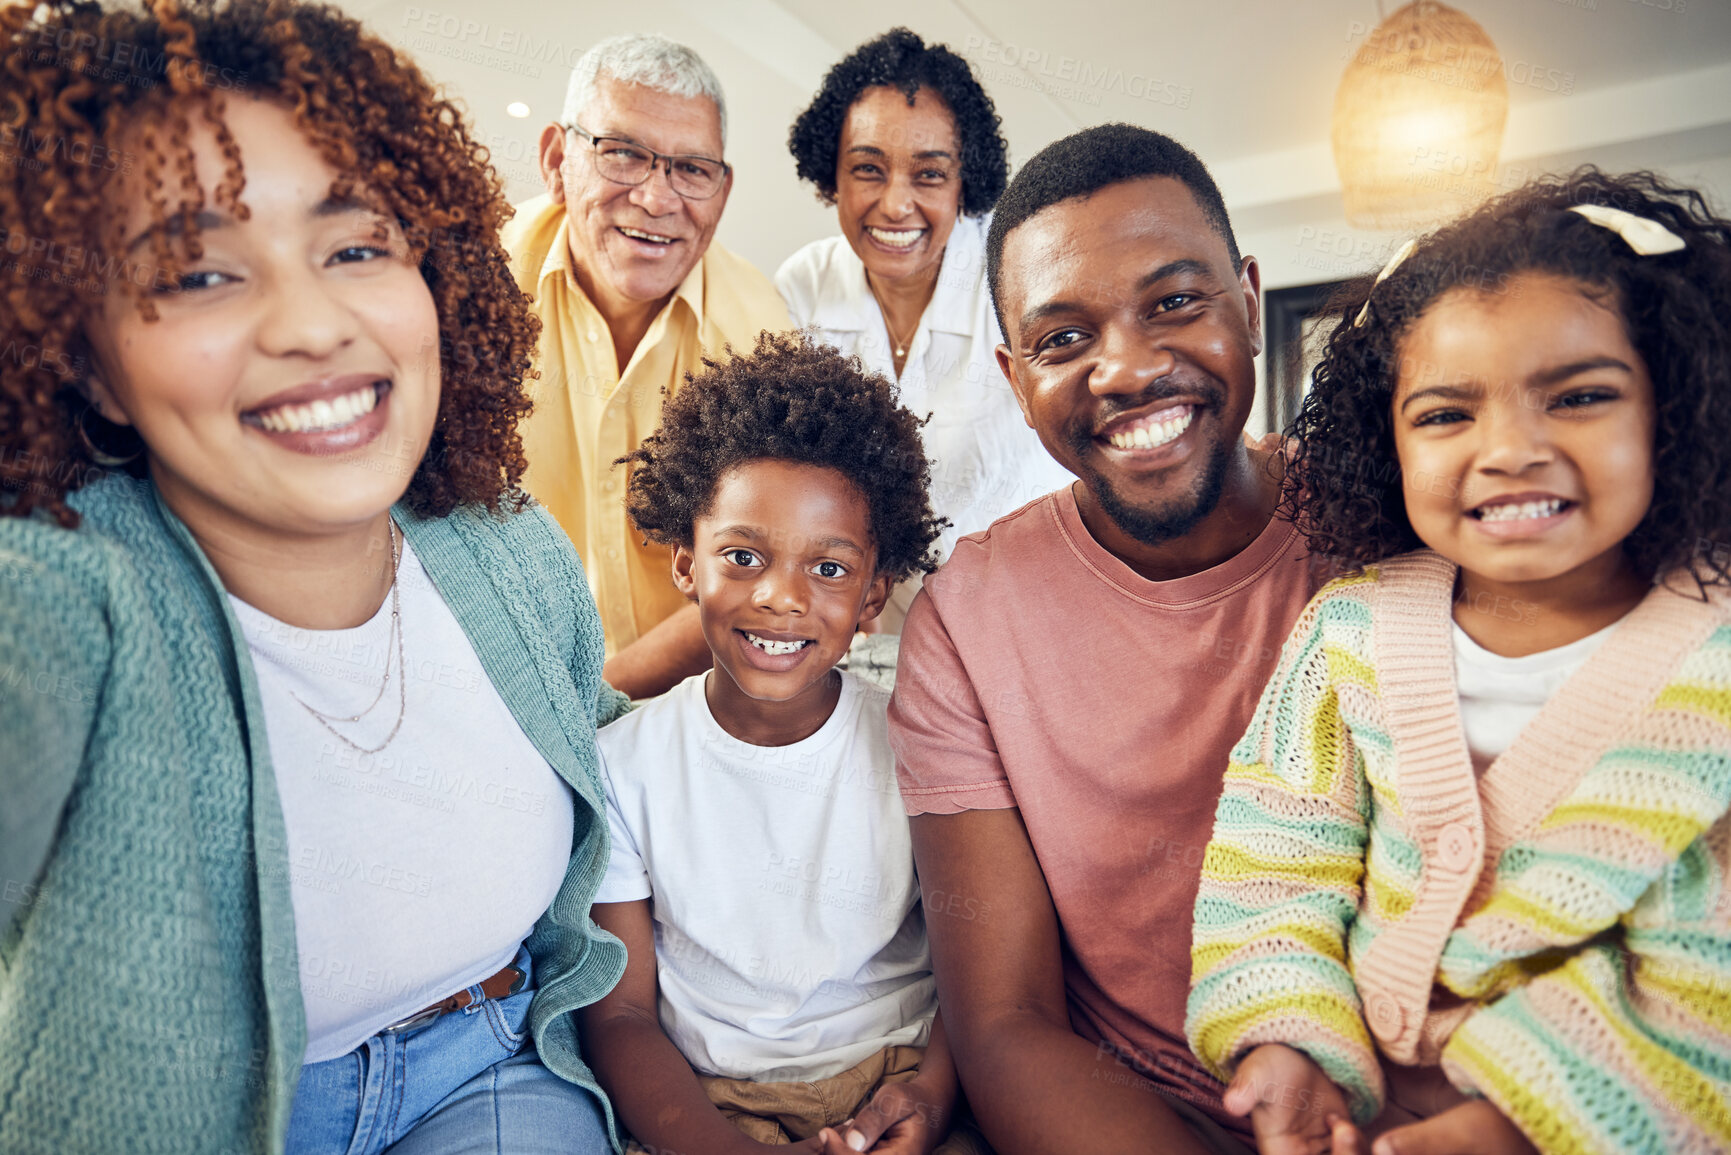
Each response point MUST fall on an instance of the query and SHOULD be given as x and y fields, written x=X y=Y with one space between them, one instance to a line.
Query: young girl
x=1479 y=819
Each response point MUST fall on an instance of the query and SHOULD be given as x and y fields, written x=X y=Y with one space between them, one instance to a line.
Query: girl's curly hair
x=81 y=78
x=899 y=59
x=1344 y=486
x=790 y=399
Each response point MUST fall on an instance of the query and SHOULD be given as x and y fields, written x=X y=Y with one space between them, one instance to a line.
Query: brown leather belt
x=502 y=985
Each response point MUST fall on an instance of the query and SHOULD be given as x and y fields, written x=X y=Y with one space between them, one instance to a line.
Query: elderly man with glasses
x=632 y=294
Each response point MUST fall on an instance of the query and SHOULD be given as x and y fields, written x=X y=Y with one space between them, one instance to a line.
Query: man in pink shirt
x=1071 y=681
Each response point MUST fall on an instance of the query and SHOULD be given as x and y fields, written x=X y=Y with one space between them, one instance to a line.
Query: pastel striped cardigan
x=1556 y=934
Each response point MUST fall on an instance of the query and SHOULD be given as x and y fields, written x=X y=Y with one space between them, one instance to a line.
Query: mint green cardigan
x=149 y=998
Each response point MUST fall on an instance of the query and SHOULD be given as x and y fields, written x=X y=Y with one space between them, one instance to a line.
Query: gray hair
x=652 y=61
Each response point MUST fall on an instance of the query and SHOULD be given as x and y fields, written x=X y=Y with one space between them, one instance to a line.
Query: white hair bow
x=1646 y=236
x=1394 y=262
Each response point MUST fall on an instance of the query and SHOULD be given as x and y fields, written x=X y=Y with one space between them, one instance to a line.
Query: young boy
x=779 y=989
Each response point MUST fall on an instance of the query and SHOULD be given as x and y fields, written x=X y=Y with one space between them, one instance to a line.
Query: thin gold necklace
x=901 y=346
x=396 y=633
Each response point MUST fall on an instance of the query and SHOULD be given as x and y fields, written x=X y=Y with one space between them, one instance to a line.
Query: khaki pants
x=783 y=1113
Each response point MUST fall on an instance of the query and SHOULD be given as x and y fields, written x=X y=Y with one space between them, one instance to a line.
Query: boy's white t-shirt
x=789 y=940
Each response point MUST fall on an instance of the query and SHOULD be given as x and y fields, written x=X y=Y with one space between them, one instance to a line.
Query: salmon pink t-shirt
x=1038 y=671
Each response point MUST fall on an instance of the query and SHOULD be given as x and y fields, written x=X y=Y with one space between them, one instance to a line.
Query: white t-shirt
x=985 y=460
x=1499 y=695
x=789 y=940
x=418 y=870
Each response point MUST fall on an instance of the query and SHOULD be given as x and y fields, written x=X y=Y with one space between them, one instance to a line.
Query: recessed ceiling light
x=517 y=109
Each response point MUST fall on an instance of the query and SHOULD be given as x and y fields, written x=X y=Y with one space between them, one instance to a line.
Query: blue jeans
x=468 y=1083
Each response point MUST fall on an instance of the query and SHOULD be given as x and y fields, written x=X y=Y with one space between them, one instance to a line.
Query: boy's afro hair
x=790 y=399
x=1344 y=486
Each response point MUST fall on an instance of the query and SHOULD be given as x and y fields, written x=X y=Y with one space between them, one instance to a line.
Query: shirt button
x=1455 y=847
x=612 y=553
x=594 y=335
x=1385 y=1016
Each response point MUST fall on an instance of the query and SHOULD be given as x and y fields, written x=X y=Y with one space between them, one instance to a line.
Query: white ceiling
x=1248 y=84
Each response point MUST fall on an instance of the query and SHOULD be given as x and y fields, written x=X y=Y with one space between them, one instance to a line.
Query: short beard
x=1176 y=518
x=1180 y=516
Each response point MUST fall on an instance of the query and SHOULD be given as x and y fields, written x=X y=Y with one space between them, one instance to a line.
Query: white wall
x=1287 y=210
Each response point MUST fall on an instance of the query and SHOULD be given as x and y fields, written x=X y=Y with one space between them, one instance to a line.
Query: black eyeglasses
x=627 y=162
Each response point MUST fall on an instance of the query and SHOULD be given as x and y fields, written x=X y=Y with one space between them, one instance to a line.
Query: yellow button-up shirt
x=588 y=414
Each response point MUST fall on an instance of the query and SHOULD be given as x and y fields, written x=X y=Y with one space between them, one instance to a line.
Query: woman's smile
x=898 y=182
x=301 y=339
x=327 y=417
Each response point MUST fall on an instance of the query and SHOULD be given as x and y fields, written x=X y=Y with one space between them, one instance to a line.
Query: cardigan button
x=1455 y=847
x=1385 y=1016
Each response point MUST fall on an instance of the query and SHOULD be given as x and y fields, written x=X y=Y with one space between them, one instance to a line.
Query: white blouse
x=985 y=460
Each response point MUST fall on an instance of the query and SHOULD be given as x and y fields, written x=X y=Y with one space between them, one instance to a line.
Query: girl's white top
x=1499 y=695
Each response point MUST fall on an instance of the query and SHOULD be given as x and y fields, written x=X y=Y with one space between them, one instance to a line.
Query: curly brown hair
x=1344 y=485
x=81 y=77
x=790 y=399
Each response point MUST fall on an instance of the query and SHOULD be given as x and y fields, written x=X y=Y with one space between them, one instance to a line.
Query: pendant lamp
x=1418 y=119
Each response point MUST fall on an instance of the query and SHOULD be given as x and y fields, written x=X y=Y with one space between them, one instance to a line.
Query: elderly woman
x=904 y=142
x=301 y=816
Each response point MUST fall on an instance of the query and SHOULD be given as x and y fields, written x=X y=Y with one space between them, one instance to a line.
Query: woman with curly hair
x=302 y=817
x=904 y=142
x=1473 y=860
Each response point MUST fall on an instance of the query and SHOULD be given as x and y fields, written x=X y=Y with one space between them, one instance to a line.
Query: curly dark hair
x=1344 y=485
x=899 y=59
x=82 y=77
x=790 y=399
x=1085 y=162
